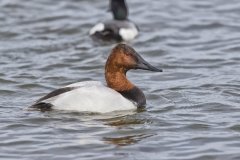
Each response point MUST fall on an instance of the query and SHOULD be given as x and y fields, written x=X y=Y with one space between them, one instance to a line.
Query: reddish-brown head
x=121 y=59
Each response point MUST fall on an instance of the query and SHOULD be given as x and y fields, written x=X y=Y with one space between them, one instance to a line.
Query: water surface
x=193 y=106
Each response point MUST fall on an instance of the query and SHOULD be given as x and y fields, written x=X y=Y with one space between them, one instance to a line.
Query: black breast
x=136 y=95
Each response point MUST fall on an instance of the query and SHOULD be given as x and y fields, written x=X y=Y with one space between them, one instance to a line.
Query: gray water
x=192 y=111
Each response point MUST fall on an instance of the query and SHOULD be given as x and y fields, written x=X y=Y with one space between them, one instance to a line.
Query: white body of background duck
x=93 y=96
x=120 y=28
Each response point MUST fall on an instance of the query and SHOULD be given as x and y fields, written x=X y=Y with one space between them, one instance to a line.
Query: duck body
x=88 y=96
x=93 y=96
x=120 y=28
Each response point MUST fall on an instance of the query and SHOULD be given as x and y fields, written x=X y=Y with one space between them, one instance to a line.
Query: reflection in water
x=130 y=135
x=124 y=118
x=124 y=121
x=125 y=140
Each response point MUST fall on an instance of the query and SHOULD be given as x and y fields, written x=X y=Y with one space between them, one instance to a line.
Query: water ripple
x=192 y=107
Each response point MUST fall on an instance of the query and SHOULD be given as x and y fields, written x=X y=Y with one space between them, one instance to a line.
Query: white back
x=91 y=96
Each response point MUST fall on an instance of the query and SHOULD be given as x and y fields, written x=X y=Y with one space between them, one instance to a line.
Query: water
x=193 y=106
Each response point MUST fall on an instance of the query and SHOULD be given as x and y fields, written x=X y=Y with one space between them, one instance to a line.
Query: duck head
x=119 y=9
x=121 y=59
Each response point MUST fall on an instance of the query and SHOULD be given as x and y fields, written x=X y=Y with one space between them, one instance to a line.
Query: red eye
x=128 y=54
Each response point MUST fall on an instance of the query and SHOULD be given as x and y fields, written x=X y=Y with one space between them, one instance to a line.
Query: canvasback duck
x=93 y=96
x=120 y=28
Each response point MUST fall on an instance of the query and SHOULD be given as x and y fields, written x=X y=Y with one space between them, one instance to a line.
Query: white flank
x=128 y=34
x=97 y=28
x=91 y=96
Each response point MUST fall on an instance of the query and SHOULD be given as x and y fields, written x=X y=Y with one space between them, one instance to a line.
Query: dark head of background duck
x=119 y=9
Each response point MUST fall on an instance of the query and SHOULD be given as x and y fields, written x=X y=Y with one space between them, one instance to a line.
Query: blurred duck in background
x=118 y=29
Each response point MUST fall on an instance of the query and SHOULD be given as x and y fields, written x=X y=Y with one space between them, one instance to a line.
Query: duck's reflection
x=125 y=140
x=115 y=128
x=128 y=130
x=121 y=118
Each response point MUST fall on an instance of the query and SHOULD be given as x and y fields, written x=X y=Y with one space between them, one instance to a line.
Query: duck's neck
x=117 y=80
x=119 y=9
